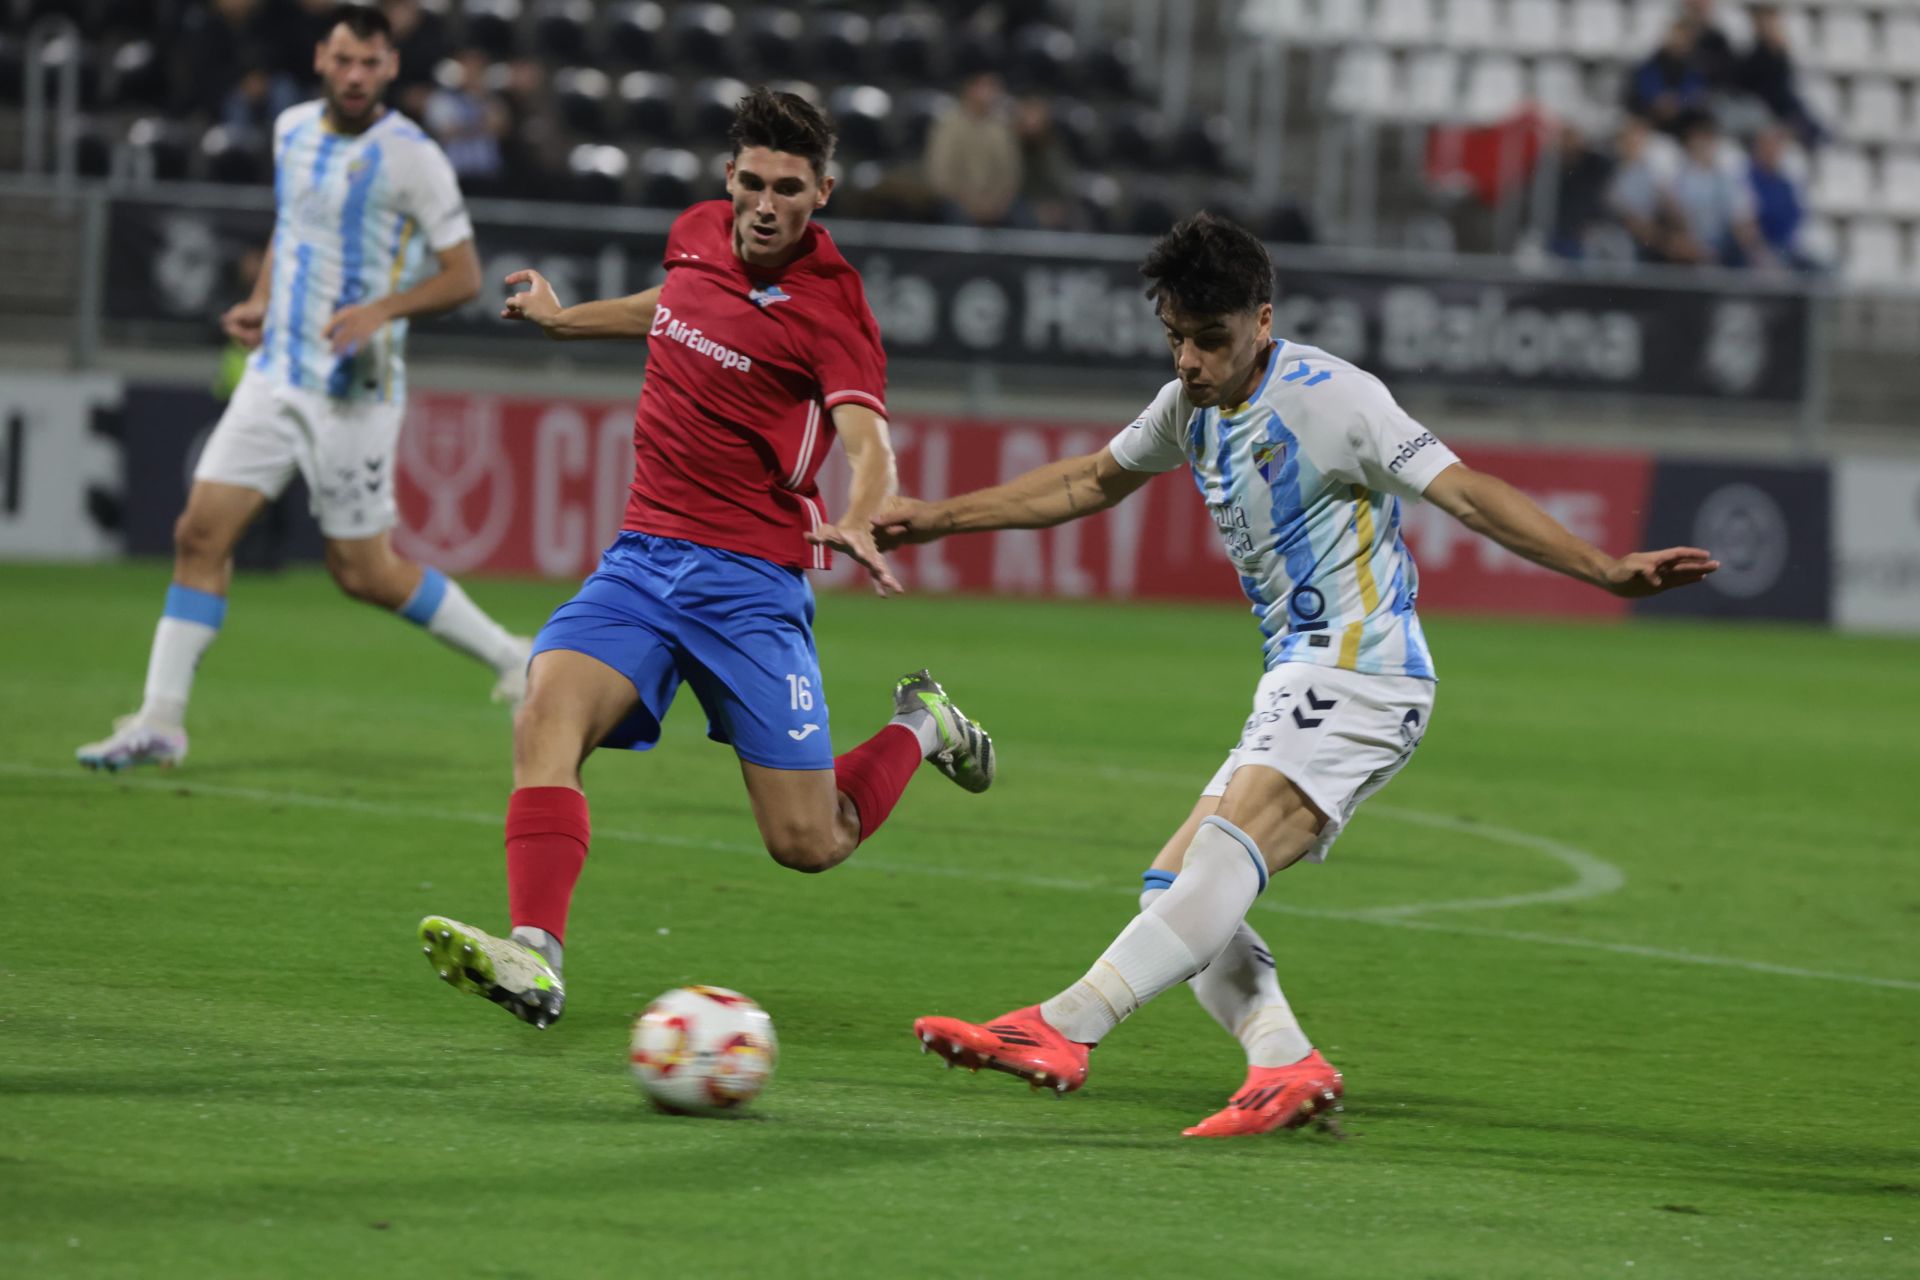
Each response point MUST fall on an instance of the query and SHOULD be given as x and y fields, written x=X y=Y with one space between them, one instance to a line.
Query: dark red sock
x=875 y=773
x=547 y=834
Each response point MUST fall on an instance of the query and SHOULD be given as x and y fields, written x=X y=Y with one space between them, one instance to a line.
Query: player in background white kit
x=362 y=197
x=1304 y=461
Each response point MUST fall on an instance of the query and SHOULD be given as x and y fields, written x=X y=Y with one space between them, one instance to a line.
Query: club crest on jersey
x=1268 y=458
x=767 y=296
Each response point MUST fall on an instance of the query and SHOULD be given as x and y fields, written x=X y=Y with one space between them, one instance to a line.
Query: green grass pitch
x=1676 y=1037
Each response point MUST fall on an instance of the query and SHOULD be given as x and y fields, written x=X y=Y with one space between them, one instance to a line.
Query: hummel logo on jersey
x=804 y=732
x=764 y=298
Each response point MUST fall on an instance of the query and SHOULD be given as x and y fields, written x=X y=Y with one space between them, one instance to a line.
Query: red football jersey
x=742 y=369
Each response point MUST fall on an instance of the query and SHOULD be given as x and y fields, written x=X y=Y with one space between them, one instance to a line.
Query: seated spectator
x=1712 y=205
x=1637 y=193
x=257 y=99
x=221 y=40
x=420 y=37
x=1778 y=206
x=973 y=159
x=468 y=122
x=1712 y=51
x=1767 y=72
x=1046 y=171
x=1585 y=178
x=1670 y=83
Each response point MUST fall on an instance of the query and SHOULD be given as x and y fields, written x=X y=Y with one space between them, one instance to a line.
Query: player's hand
x=901 y=522
x=352 y=327
x=244 y=321
x=538 y=303
x=1648 y=573
x=859 y=544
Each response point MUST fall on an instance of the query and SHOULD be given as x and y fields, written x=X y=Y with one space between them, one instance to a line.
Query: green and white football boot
x=966 y=750
x=512 y=975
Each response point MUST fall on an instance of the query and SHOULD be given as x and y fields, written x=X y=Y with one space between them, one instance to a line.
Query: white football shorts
x=1337 y=735
x=344 y=449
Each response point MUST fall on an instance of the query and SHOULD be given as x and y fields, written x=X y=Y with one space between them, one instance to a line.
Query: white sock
x=1242 y=992
x=188 y=625
x=924 y=727
x=439 y=605
x=540 y=940
x=1181 y=932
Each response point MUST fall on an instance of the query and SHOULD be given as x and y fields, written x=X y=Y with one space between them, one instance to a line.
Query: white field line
x=1591 y=870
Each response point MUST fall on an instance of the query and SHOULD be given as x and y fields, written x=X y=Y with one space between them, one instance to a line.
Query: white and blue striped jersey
x=1304 y=482
x=354 y=218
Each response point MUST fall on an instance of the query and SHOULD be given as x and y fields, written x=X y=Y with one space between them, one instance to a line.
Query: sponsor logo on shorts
x=804 y=732
x=1410 y=448
x=696 y=341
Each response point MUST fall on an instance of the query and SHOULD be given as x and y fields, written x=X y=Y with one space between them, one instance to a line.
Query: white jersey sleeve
x=430 y=193
x=1383 y=447
x=1156 y=440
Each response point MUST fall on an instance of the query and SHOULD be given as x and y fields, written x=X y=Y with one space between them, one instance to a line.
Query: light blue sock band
x=1246 y=842
x=1154 y=878
x=425 y=600
x=190 y=605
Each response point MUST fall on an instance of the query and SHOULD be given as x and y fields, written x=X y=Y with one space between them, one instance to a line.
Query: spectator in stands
x=1046 y=170
x=256 y=99
x=1580 y=203
x=1670 y=84
x=535 y=144
x=420 y=36
x=973 y=159
x=1767 y=72
x=1778 y=206
x=468 y=122
x=1712 y=204
x=1712 y=51
x=1637 y=194
x=220 y=40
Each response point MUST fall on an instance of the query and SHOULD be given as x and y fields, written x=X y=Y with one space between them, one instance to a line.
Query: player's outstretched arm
x=863 y=434
x=1495 y=509
x=457 y=281
x=1046 y=496
x=628 y=317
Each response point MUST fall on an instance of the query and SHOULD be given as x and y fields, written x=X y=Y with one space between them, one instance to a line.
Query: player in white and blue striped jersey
x=363 y=199
x=1304 y=462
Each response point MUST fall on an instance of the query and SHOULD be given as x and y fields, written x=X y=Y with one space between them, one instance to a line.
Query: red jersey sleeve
x=848 y=360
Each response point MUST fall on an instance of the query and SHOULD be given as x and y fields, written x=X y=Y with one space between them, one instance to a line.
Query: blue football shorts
x=736 y=628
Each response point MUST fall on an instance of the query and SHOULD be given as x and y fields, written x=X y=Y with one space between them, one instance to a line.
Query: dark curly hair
x=1208 y=266
x=362 y=20
x=783 y=122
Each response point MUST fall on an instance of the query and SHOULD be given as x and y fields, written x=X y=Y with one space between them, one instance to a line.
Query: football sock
x=439 y=605
x=874 y=774
x=925 y=728
x=188 y=624
x=547 y=836
x=540 y=940
x=1182 y=931
x=1242 y=992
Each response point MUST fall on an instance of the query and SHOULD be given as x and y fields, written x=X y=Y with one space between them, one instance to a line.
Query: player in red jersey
x=761 y=348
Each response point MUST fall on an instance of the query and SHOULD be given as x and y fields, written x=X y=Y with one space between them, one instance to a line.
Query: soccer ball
x=702 y=1051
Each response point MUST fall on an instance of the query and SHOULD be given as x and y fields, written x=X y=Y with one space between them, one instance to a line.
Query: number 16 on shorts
x=800 y=692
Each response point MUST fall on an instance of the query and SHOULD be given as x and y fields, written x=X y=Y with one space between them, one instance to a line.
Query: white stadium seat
x=1876 y=111
x=1801 y=38
x=1495 y=88
x=1404 y=23
x=1900 y=43
x=1533 y=26
x=1598 y=28
x=1900 y=184
x=1364 y=83
x=1842 y=181
x=1875 y=254
x=1822 y=96
x=1559 y=87
x=1819 y=239
x=1286 y=20
x=1647 y=26
x=1846 y=40
x=1342 y=21
x=1433 y=85
x=1470 y=24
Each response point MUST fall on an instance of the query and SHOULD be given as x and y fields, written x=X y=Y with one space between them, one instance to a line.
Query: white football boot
x=134 y=742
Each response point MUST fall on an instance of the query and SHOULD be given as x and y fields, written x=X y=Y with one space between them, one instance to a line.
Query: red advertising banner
x=514 y=485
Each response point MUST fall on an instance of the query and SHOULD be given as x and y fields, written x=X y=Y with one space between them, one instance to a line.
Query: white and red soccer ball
x=702 y=1051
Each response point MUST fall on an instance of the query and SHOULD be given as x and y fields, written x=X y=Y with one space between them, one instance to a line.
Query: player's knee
x=195 y=541
x=357 y=580
x=803 y=848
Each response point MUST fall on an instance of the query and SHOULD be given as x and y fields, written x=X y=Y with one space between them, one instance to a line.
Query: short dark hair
x=782 y=122
x=364 y=21
x=1209 y=266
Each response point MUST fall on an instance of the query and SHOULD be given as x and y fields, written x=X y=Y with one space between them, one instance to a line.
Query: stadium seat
x=711 y=105
x=1559 y=87
x=977 y=50
x=1341 y=22
x=65 y=50
x=1290 y=21
x=581 y=93
x=1364 y=84
x=491 y=25
x=1099 y=197
x=1079 y=125
x=1647 y=23
x=1802 y=39
x=138 y=79
x=1151 y=211
x=1846 y=41
x=160 y=149
x=1533 y=27
x=1874 y=253
x=1900 y=184
x=597 y=173
x=773 y=36
x=1821 y=93
x=561 y=28
x=1406 y=24
x=229 y=159
x=12 y=68
x=837 y=45
x=1043 y=58
x=862 y=113
x=703 y=37
x=636 y=32
x=1819 y=240
x=1900 y=41
x=1469 y=25
x=918 y=109
x=1137 y=137
x=649 y=106
x=92 y=150
x=1432 y=86
x=1875 y=111
x=669 y=178
x=1111 y=67
x=1597 y=29
x=906 y=46
x=132 y=17
x=1842 y=182
x=1201 y=144
x=1495 y=88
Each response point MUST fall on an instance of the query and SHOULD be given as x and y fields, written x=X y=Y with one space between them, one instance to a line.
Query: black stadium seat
x=861 y=112
x=635 y=31
x=837 y=49
x=491 y=25
x=138 y=79
x=906 y=46
x=1079 y=126
x=230 y=159
x=648 y=106
x=1099 y=198
x=669 y=178
x=1202 y=144
x=703 y=37
x=561 y=28
x=711 y=103
x=12 y=68
x=1150 y=212
x=581 y=94
x=1109 y=67
x=1137 y=136
x=597 y=173
x=62 y=52
x=1043 y=58
x=161 y=149
x=918 y=110
x=774 y=38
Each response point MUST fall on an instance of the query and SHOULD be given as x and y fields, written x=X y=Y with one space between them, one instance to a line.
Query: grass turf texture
x=222 y=1054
